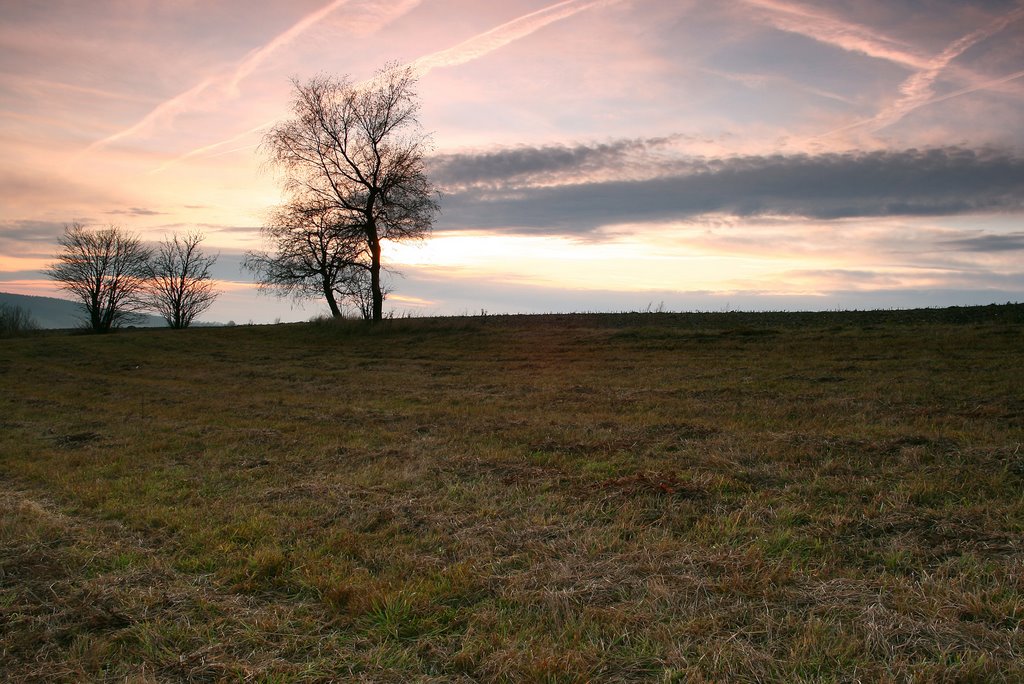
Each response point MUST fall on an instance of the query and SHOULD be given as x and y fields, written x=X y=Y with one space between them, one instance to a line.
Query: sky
x=592 y=155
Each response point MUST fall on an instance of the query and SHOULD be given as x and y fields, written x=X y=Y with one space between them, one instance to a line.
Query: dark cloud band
x=935 y=182
x=989 y=243
x=517 y=163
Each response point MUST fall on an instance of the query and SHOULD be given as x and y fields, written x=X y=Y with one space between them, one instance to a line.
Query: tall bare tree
x=106 y=270
x=355 y=152
x=313 y=254
x=180 y=284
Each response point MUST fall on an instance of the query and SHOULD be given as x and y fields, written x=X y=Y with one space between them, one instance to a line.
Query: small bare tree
x=360 y=293
x=180 y=284
x=106 y=270
x=313 y=255
x=355 y=153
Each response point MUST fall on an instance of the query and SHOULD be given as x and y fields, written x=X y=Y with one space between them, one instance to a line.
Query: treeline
x=115 y=275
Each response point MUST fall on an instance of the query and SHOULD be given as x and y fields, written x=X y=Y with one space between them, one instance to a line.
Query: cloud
x=935 y=182
x=30 y=231
x=504 y=165
x=240 y=230
x=1011 y=242
x=32 y=85
x=28 y=238
x=30 y=189
x=24 y=243
x=136 y=211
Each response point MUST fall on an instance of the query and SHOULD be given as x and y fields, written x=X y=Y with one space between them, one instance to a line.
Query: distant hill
x=50 y=312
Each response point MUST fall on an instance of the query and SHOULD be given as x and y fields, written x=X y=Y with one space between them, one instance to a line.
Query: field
x=635 y=497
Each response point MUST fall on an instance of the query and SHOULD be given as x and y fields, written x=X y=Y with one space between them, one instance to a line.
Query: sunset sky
x=594 y=155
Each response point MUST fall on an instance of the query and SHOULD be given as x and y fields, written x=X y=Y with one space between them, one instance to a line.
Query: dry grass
x=730 y=497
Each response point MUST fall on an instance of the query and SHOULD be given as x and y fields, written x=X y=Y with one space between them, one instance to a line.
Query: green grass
x=636 y=497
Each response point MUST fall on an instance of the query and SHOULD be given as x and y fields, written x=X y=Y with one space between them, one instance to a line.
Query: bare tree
x=180 y=284
x=313 y=254
x=106 y=269
x=355 y=153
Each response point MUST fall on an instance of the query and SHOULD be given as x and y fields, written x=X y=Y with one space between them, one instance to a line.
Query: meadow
x=635 y=497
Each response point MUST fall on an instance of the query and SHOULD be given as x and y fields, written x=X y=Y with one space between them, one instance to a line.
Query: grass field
x=647 y=497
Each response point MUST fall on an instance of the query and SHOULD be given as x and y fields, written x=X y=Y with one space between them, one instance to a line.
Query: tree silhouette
x=106 y=270
x=180 y=284
x=352 y=156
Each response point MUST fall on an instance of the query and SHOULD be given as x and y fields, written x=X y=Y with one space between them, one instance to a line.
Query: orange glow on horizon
x=627 y=263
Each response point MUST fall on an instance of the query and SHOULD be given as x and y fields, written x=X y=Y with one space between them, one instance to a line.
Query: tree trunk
x=375 y=289
x=94 y=312
x=178 y=307
x=331 y=301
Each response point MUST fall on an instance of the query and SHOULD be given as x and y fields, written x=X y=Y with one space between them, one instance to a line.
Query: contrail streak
x=201 y=151
x=980 y=86
x=500 y=36
x=183 y=101
x=466 y=51
x=942 y=98
x=830 y=30
x=916 y=91
x=166 y=109
x=845 y=35
x=257 y=56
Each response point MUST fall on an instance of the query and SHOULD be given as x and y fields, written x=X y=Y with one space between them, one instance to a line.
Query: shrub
x=16 y=321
